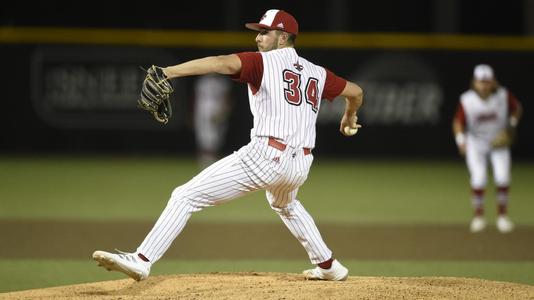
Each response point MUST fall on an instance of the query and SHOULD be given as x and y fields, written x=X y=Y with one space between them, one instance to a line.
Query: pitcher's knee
x=177 y=194
x=181 y=195
x=176 y=199
x=285 y=210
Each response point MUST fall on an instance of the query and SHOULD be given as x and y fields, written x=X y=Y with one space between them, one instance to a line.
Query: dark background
x=474 y=16
x=27 y=130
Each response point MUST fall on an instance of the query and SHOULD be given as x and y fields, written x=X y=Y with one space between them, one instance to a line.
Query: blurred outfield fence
x=75 y=89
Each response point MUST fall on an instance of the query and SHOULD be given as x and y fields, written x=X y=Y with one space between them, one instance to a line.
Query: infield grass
x=340 y=191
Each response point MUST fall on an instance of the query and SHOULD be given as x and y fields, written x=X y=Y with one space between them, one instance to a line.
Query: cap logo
x=276 y=19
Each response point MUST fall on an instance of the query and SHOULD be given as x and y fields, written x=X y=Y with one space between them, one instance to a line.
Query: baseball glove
x=503 y=139
x=155 y=94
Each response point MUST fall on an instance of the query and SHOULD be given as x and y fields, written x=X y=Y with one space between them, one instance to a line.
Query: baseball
x=350 y=131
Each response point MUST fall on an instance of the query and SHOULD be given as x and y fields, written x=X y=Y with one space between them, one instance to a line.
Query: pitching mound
x=282 y=286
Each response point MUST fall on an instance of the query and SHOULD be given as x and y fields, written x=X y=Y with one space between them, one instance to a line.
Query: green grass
x=26 y=274
x=344 y=191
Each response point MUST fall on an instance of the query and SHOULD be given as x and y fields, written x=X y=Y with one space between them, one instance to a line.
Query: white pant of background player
x=256 y=166
x=478 y=153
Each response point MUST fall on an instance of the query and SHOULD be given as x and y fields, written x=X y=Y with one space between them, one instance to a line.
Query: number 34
x=293 y=93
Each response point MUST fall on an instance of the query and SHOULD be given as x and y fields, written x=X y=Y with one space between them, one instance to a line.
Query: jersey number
x=293 y=94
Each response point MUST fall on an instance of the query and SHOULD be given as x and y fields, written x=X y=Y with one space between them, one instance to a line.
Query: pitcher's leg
x=301 y=224
x=170 y=223
x=223 y=181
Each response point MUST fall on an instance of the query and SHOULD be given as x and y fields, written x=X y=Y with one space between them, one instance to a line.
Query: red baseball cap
x=275 y=19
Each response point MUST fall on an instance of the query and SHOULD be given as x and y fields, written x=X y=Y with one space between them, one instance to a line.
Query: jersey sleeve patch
x=333 y=86
x=251 y=70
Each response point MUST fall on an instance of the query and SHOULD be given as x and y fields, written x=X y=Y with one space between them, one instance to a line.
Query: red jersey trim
x=460 y=114
x=251 y=70
x=513 y=103
x=333 y=86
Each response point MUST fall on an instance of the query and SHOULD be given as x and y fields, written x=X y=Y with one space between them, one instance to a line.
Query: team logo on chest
x=486 y=117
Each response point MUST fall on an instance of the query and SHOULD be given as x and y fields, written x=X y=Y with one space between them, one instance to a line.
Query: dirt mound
x=282 y=286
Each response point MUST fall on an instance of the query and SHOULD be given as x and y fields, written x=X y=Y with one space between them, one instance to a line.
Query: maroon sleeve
x=460 y=114
x=513 y=103
x=333 y=86
x=251 y=69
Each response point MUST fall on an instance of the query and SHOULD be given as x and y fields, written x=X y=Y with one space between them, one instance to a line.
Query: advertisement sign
x=95 y=87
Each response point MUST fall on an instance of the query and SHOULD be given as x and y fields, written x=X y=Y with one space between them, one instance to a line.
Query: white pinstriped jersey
x=286 y=102
x=285 y=92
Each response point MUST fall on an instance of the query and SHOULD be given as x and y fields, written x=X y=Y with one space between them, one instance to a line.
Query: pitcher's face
x=267 y=40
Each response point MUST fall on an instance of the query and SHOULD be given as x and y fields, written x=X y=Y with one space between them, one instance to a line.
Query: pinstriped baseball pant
x=256 y=166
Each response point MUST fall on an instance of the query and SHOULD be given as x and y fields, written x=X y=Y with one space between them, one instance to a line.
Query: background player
x=285 y=92
x=484 y=126
x=211 y=111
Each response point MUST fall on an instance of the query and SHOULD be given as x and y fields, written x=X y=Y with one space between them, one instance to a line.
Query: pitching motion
x=285 y=93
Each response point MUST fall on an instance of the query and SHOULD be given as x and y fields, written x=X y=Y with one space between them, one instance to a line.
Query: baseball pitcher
x=285 y=92
x=484 y=127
